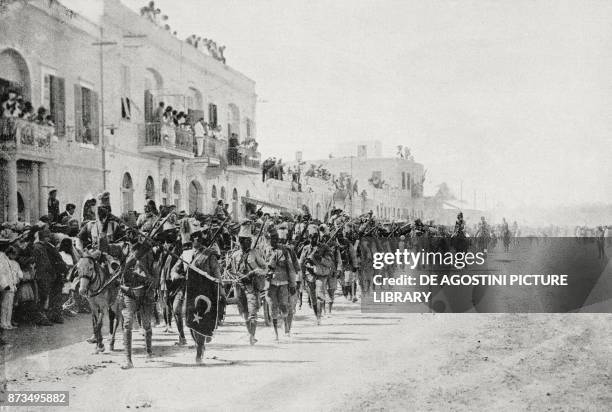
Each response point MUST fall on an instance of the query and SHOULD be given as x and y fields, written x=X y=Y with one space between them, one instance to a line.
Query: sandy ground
x=353 y=361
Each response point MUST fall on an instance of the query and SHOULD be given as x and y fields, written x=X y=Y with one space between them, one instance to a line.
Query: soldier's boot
x=275 y=323
x=149 y=344
x=288 y=321
x=320 y=305
x=330 y=307
x=253 y=324
x=178 y=320
x=199 y=352
x=127 y=346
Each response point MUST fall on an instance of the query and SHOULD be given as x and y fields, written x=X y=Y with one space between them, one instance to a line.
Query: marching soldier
x=138 y=290
x=282 y=281
x=207 y=260
x=318 y=265
x=252 y=269
x=295 y=262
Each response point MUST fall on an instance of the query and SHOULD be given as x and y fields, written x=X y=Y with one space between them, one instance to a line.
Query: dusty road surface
x=353 y=361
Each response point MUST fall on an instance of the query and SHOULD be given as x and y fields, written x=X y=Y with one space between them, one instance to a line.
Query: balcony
x=214 y=151
x=166 y=141
x=243 y=160
x=27 y=140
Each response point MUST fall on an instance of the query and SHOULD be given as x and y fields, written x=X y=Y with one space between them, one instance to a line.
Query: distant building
x=359 y=148
x=390 y=187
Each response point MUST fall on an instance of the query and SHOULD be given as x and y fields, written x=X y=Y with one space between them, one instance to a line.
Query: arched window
x=223 y=193
x=233 y=121
x=177 y=195
x=127 y=194
x=164 y=190
x=195 y=197
x=152 y=94
x=150 y=189
x=193 y=100
x=14 y=74
x=235 y=204
x=318 y=211
x=213 y=192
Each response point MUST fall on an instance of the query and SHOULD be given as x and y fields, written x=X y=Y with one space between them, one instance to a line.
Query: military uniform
x=253 y=269
x=207 y=260
x=138 y=290
x=282 y=282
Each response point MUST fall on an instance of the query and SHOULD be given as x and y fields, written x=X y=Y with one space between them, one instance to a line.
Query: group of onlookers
x=15 y=106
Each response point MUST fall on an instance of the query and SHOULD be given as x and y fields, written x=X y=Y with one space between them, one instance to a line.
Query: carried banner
x=202 y=303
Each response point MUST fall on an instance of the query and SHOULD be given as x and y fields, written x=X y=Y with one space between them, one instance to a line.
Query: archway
x=213 y=192
x=150 y=189
x=318 y=211
x=223 y=196
x=195 y=197
x=127 y=193
x=14 y=74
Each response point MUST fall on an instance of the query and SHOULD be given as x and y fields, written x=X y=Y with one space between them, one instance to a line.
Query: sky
x=512 y=98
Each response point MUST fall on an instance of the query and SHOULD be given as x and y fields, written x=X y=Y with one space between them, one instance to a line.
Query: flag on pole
x=201 y=299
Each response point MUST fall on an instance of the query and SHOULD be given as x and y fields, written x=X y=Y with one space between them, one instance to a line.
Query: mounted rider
x=104 y=233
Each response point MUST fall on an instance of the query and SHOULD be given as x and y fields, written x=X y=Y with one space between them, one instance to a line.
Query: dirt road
x=353 y=361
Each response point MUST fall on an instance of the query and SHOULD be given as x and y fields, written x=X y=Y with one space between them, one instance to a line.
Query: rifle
x=125 y=266
x=245 y=256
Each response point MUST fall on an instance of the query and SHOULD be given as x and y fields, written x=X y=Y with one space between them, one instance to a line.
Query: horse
x=91 y=275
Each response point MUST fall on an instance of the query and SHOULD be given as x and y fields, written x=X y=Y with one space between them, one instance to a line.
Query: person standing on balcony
x=199 y=129
x=53 y=207
x=9 y=105
x=167 y=126
x=158 y=116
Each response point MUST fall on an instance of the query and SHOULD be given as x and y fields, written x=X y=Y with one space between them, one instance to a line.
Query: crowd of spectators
x=15 y=106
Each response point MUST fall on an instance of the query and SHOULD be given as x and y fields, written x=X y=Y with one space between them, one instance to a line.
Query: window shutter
x=78 y=113
x=95 y=118
x=148 y=107
x=58 y=104
x=212 y=115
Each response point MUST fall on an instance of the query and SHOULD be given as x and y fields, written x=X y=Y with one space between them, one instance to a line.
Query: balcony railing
x=243 y=157
x=157 y=138
x=26 y=138
x=211 y=150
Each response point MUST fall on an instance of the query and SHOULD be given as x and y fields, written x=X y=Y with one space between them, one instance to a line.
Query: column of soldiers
x=272 y=261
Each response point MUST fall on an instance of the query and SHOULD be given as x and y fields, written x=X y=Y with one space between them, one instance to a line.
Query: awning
x=265 y=204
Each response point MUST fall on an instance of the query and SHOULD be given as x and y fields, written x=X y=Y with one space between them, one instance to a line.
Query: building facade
x=392 y=188
x=102 y=82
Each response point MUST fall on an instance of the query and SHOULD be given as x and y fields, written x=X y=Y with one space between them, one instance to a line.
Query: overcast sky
x=512 y=97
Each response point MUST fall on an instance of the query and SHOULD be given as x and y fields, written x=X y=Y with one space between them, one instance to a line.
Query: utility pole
x=102 y=43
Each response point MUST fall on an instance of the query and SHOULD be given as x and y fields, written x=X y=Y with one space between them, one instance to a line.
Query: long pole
x=102 y=138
